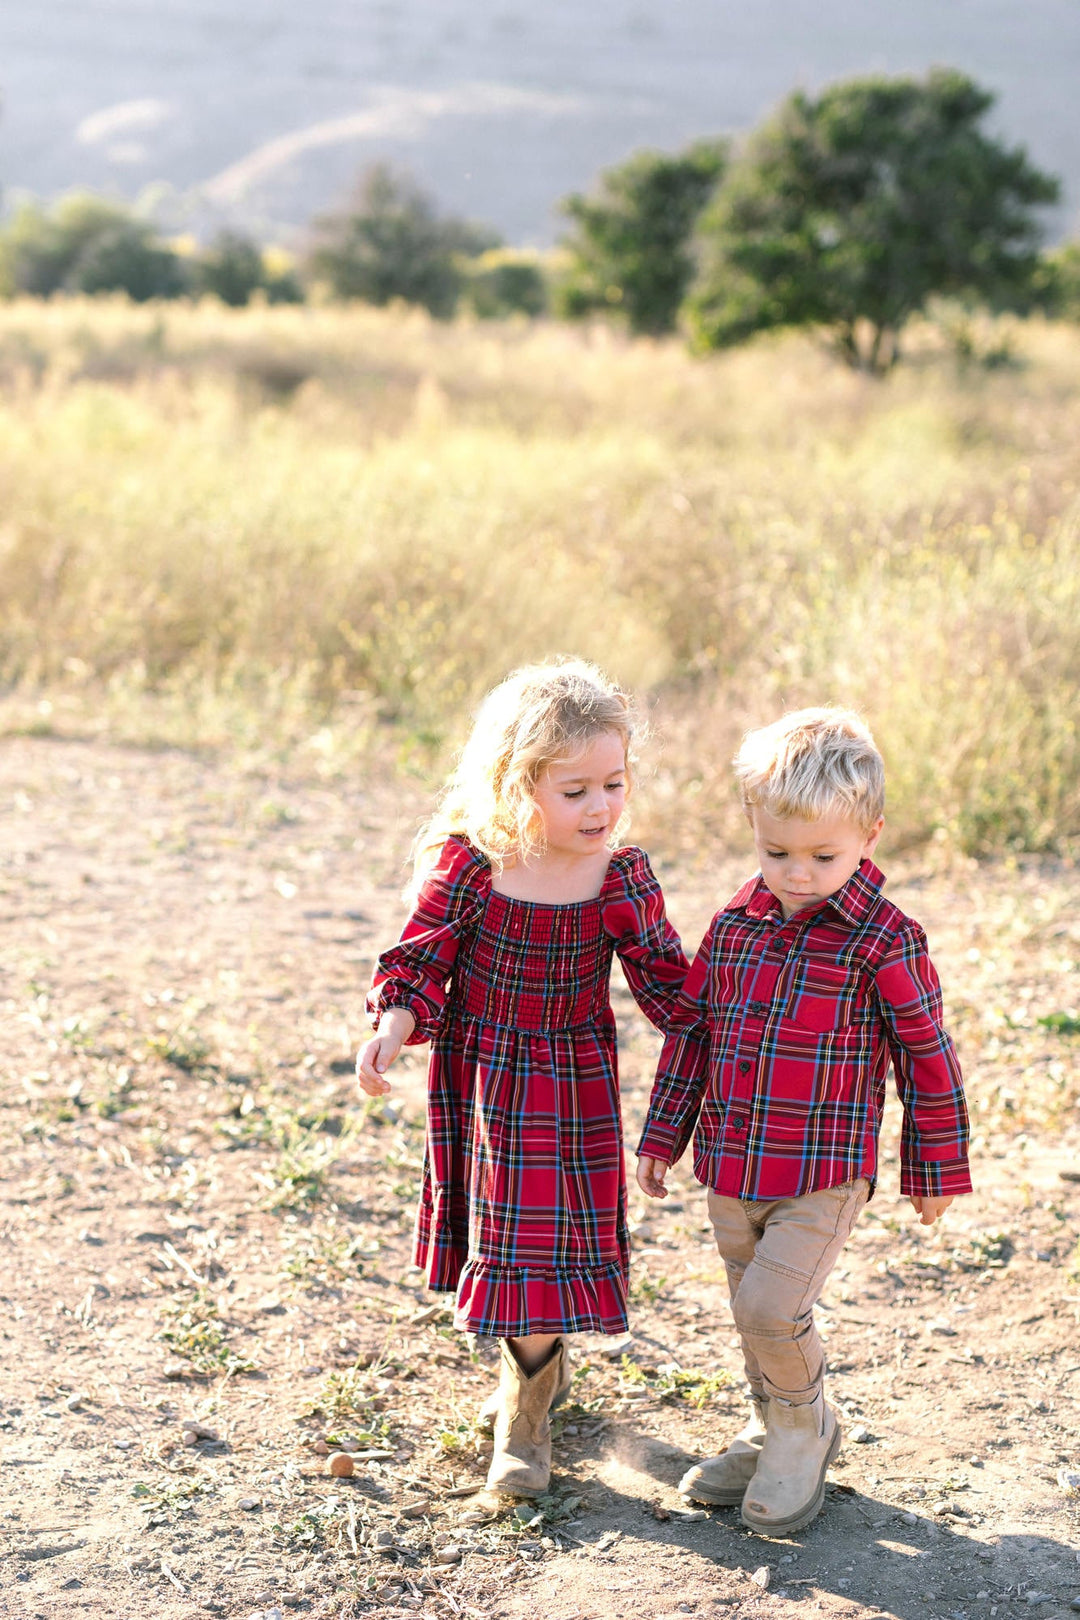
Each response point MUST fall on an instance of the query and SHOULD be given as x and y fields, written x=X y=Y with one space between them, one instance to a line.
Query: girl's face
x=580 y=798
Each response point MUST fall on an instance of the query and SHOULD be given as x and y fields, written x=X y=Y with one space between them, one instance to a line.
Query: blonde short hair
x=813 y=763
x=537 y=715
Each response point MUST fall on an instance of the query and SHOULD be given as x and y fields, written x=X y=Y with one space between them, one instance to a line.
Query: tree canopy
x=630 y=246
x=85 y=244
x=389 y=242
x=851 y=209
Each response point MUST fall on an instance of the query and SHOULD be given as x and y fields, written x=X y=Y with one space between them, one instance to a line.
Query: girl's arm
x=373 y=1059
x=409 y=986
x=648 y=947
x=682 y=1075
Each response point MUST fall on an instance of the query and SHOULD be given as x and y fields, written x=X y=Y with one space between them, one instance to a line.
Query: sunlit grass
x=330 y=531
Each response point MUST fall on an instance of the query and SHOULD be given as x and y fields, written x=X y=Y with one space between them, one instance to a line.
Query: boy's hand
x=929 y=1209
x=650 y=1177
x=374 y=1058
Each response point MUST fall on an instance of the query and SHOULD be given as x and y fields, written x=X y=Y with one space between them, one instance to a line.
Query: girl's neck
x=551 y=880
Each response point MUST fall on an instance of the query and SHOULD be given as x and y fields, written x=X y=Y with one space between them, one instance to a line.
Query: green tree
x=503 y=281
x=1057 y=283
x=234 y=268
x=631 y=243
x=390 y=242
x=85 y=244
x=850 y=210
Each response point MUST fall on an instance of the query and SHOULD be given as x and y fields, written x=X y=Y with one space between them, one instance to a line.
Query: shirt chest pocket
x=826 y=996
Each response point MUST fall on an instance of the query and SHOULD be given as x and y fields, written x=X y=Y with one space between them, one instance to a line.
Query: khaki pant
x=778 y=1254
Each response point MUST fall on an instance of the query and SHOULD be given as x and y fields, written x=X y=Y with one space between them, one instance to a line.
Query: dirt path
x=199 y=1226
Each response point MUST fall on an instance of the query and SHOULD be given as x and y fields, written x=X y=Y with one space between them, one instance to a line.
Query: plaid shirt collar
x=852 y=903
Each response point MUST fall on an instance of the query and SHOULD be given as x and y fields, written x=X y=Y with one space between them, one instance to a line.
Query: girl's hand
x=928 y=1209
x=374 y=1058
x=650 y=1177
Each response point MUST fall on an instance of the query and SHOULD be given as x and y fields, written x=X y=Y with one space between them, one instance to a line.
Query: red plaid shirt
x=786 y=1033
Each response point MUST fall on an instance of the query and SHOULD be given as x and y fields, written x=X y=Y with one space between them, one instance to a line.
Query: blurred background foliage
x=330 y=529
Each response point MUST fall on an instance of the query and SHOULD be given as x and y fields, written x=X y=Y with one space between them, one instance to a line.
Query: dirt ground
x=201 y=1229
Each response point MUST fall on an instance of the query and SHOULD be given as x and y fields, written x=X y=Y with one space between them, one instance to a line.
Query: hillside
x=259 y=112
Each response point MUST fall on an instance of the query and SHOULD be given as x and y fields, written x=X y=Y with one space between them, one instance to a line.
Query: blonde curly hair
x=537 y=715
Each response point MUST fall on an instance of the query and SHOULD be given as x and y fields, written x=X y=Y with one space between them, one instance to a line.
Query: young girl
x=504 y=966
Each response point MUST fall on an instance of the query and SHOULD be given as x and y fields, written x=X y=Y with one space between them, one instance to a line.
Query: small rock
x=941 y=1327
x=320 y=1448
x=123 y=1445
x=975 y=1462
x=429 y=1313
x=201 y=1431
x=175 y=1369
x=73 y=1403
x=341 y=1465
x=349 y=1444
x=762 y=1576
x=448 y=1555
x=248 y=1504
x=909 y=1518
x=1069 y=1480
x=189 y=1437
x=416 y=1510
x=1039 y=1597
x=860 y=1435
x=1076 y=1603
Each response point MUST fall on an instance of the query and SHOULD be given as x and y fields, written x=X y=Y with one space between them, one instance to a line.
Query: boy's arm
x=683 y=1072
x=934 y=1142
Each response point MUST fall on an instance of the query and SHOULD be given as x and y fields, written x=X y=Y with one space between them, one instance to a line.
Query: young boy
x=807 y=984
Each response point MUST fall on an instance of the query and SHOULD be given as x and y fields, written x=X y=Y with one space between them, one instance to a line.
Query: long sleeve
x=648 y=947
x=415 y=972
x=682 y=1077
x=933 y=1151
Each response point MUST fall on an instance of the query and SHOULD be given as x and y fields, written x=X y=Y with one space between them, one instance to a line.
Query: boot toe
x=719 y=1481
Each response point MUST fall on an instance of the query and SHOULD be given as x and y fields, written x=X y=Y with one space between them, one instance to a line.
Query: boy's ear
x=872 y=836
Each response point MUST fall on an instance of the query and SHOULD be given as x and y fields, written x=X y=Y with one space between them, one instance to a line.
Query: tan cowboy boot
x=489 y=1409
x=722 y=1480
x=788 y=1487
x=521 y=1461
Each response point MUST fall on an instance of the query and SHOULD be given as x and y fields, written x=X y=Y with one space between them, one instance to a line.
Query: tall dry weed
x=284 y=523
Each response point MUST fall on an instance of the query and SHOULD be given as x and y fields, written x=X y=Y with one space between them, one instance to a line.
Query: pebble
x=349 y=1444
x=123 y=1445
x=321 y=1449
x=189 y=1437
x=1076 y=1603
x=448 y=1555
x=860 y=1435
x=248 y=1503
x=201 y=1431
x=762 y=1576
x=175 y=1369
x=341 y=1465
x=909 y=1518
x=1069 y=1480
x=73 y=1403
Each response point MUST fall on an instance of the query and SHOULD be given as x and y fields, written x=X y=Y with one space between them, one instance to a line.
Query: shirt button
x=778 y=944
x=759 y=1008
x=744 y=1067
x=738 y=1124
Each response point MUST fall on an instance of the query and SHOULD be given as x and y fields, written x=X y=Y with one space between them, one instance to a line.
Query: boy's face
x=804 y=862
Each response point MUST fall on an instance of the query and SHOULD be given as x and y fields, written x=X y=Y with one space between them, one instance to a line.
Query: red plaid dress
x=523 y=1204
